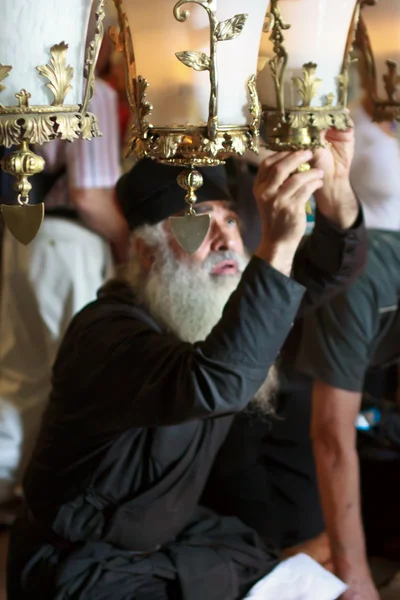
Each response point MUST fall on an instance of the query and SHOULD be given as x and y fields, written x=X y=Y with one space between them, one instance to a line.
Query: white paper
x=298 y=578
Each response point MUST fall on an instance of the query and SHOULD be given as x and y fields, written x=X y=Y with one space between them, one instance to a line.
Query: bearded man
x=145 y=387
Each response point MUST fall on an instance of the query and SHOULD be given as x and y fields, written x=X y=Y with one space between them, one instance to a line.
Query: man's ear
x=145 y=253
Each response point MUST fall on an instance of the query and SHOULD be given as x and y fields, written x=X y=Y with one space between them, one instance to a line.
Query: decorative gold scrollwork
x=220 y=31
x=278 y=63
x=37 y=128
x=256 y=113
x=92 y=55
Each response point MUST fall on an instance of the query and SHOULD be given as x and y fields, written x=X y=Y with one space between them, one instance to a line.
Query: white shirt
x=375 y=173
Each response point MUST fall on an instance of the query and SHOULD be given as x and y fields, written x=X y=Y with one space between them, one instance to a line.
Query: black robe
x=134 y=422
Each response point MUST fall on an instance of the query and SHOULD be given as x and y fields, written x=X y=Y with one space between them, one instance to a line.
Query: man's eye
x=232 y=221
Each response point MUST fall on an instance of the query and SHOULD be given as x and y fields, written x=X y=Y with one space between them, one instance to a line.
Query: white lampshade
x=318 y=34
x=28 y=29
x=44 y=59
x=180 y=95
x=383 y=27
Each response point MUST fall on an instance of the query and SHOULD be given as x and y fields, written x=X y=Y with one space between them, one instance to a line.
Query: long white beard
x=186 y=300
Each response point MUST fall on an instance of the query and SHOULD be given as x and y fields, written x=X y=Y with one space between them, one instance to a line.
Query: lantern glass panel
x=318 y=34
x=180 y=95
x=28 y=29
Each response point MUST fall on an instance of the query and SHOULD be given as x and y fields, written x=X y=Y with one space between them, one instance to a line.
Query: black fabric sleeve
x=131 y=375
x=337 y=341
x=329 y=260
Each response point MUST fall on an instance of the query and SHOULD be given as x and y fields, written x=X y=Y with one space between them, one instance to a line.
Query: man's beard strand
x=186 y=300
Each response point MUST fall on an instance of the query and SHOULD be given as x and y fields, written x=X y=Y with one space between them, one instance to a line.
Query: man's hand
x=336 y=200
x=282 y=193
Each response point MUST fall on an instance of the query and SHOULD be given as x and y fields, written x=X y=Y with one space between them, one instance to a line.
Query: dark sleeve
x=329 y=260
x=337 y=339
x=131 y=375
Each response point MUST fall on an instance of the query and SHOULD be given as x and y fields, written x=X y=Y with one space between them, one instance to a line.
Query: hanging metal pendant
x=23 y=220
x=191 y=230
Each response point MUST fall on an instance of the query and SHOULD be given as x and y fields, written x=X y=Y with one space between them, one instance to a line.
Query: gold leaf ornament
x=10 y=131
x=238 y=144
x=145 y=107
x=330 y=98
x=231 y=28
x=4 y=71
x=308 y=85
x=140 y=146
x=195 y=60
x=40 y=128
x=168 y=145
x=68 y=127
x=86 y=128
x=58 y=73
x=213 y=146
x=95 y=125
x=89 y=127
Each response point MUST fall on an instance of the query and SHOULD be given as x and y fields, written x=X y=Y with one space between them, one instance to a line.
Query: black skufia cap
x=149 y=192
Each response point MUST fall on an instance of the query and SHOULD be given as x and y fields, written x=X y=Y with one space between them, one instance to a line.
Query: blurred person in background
x=46 y=283
x=358 y=453
x=375 y=172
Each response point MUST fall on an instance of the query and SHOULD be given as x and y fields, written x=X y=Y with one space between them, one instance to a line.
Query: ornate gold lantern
x=378 y=38
x=303 y=76
x=191 y=79
x=42 y=91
